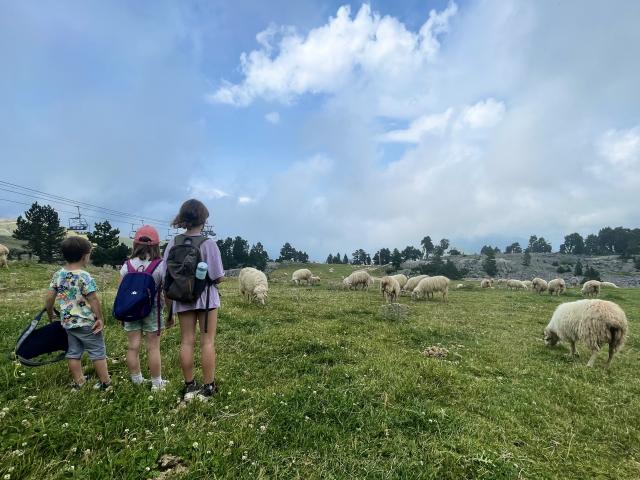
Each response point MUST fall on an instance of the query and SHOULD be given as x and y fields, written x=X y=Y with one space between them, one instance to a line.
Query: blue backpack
x=136 y=294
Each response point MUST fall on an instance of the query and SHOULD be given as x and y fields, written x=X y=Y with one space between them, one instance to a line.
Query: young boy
x=74 y=291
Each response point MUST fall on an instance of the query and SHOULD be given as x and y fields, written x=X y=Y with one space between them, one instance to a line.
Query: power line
x=73 y=202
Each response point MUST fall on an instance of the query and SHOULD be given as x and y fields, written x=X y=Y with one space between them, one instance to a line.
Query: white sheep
x=413 y=283
x=401 y=279
x=591 y=288
x=608 y=285
x=528 y=284
x=331 y=270
x=515 y=285
x=253 y=285
x=539 y=285
x=390 y=289
x=574 y=282
x=459 y=286
x=358 y=278
x=431 y=285
x=302 y=274
x=4 y=253
x=557 y=286
x=486 y=283
x=314 y=280
x=594 y=322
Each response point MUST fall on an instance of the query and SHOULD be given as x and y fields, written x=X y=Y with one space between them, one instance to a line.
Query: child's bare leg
x=187 y=342
x=133 y=350
x=75 y=367
x=101 y=369
x=153 y=352
x=207 y=345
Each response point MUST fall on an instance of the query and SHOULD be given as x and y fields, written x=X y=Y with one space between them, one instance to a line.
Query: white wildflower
x=195 y=445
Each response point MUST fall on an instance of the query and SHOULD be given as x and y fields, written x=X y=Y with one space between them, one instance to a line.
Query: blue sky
x=331 y=125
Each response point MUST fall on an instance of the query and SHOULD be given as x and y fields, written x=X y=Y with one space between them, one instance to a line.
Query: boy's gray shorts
x=81 y=339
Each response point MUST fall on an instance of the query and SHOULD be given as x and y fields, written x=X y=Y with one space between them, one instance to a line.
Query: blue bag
x=136 y=294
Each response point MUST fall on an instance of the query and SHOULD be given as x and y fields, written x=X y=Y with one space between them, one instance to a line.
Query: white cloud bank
x=511 y=127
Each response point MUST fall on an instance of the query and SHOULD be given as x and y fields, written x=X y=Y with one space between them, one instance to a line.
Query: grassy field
x=318 y=385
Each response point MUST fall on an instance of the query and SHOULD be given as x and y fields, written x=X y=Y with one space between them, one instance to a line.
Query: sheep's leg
x=574 y=352
x=592 y=360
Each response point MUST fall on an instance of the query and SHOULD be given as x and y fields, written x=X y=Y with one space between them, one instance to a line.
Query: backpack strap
x=152 y=266
x=130 y=268
x=23 y=336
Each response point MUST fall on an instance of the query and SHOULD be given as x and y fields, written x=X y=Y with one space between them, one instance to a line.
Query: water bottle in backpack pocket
x=136 y=294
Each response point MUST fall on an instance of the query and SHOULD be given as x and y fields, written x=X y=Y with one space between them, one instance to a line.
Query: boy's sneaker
x=77 y=386
x=191 y=389
x=157 y=387
x=207 y=391
x=102 y=386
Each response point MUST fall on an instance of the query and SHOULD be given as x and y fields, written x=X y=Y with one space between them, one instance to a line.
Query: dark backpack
x=180 y=282
x=35 y=345
x=136 y=294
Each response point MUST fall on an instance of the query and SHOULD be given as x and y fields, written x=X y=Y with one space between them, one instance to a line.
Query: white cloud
x=328 y=57
x=426 y=124
x=204 y=190
x=245 y=200
x=621 y=147
x=484 y=114
x=272 y=117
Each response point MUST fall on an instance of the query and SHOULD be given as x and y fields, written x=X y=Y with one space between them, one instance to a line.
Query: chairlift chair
x=207 y=231
x=132 y=233
x=78 y=224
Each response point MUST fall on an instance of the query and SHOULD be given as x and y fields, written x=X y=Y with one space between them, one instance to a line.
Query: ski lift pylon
x=78 y=224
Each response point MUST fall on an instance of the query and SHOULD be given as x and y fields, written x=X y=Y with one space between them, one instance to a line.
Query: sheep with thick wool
x=301 y=275
x=591 y=288
x=359 y=278
x=253 y=285
x=314 y=280
x=539 y=285
x=4 y=254
x=594 y=322
x=413 y=283
x=486 y=283
x=431 y=285
x=401 y=279
x=528 y=284
x=557 y=286
x=516 y=285
x=390 y=289
x=608 y=285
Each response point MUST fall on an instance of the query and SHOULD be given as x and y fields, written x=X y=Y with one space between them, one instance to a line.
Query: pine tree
x=489 y=264
x=345 y=260
x=578 y=269
x=526 y=258
x=329 y=259
x=42 y=231
x=258 y=256
x=104 y=235
x=396 y=258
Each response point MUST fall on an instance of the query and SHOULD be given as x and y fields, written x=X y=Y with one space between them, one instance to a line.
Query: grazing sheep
x=401 y=279
x=608 y=285
x=413 y=283
x=331 y=270
x=486 y=283
x=557 y=286
x=539 y=285
x=574 y=282
x=302 y=274
x=358 y=278
x=459 y=286
x=515 y=285
x=314 y=280
x=4 y=253
x=591 y=288
x=390 y=289
x=528 y=284
x=594 y=322
x=253 y=284
x=431 y=285
x=501 y=282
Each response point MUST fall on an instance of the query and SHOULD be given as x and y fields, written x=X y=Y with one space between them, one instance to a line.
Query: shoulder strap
x=130 y=268
x=179 y=239
x=152 y=266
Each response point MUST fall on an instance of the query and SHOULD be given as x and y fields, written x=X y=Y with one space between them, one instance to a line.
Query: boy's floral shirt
x=71 y=288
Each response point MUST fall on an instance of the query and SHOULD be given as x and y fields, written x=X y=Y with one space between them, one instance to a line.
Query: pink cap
x=149 y=232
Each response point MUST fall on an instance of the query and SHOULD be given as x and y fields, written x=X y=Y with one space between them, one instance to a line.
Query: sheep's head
x=414 y=295
x=260 y=294
x=550 y=337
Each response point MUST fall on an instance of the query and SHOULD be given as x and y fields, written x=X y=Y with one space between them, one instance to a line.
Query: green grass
x=317 y=385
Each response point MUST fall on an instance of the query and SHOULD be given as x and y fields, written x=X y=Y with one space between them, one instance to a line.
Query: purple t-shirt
x=211 y=256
